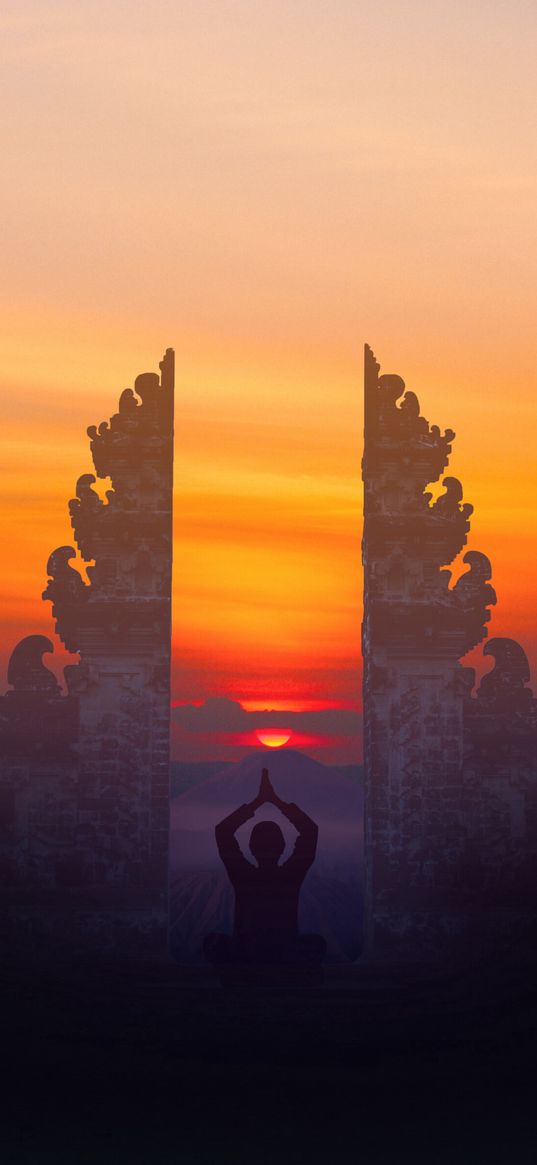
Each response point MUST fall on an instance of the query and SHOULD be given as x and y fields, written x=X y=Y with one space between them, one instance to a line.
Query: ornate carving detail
x=407 y=540
x=104 y=802
x=448 y=505
x=64 y=581
x=26 y=670
x=450 y=778
x=503 y=689
x=501 y=752
x=137 y=433
x=66 y=591
x=473 y=587
x=37 y=724
x=85 y=510
x=475 y=595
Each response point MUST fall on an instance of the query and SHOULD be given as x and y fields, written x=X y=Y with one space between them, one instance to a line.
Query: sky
x=265 y=187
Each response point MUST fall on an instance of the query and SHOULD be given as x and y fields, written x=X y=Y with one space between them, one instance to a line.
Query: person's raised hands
x=266 y=792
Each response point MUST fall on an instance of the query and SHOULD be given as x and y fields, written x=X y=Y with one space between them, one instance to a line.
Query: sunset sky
x=265 y=186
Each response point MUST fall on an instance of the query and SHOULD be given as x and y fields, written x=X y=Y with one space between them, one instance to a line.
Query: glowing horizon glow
x=292 y=705
x=273 y=738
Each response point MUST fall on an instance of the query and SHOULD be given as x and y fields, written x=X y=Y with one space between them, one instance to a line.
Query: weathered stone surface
x=84 y=783
x=450 y=811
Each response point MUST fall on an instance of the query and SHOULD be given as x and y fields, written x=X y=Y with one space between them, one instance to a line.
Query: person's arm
x=228 y=846
x=302 y=823
x=305 y=848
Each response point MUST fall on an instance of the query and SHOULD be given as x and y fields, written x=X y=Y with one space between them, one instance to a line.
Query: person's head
x=267 y=843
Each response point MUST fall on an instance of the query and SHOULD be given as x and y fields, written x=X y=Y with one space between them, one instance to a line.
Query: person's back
x=266 y=894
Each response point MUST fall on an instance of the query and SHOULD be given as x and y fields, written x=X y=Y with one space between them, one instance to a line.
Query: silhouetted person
x=266 y=895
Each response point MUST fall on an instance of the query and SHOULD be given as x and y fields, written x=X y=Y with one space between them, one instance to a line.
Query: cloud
x=219 y=714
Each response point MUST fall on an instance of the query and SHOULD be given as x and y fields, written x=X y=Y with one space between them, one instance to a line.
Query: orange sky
x=264 y=187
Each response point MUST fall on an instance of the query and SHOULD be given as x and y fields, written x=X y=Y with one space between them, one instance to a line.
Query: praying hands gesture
x=266 y=794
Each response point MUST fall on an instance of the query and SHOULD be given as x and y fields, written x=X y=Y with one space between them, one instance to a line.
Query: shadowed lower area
x=142 y=1064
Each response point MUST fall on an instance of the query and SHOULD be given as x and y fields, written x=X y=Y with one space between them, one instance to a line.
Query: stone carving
x=102 y=751
x=66 y=590
x=448 y=505
x=476 y=596
x=26 y=671
x=84 y=510
x=37 y=735
x=451 y=778
x=503 y=689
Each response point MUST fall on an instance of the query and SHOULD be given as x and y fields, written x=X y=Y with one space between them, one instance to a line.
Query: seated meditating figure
x=266 y=894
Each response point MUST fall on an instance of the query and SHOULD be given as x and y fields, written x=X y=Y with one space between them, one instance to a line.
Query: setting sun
x=275 y=739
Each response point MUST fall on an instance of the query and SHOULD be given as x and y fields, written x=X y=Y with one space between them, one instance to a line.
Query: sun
x=273 y=738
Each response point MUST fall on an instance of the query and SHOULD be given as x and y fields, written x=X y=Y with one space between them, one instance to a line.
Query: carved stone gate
x=451 y=777
x=84 y=783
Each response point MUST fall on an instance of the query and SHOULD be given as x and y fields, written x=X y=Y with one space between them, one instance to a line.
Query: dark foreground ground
x=157 y=1064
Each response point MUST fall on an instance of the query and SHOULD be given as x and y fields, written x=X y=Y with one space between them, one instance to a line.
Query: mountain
x=352 y=772
x=184 y=774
